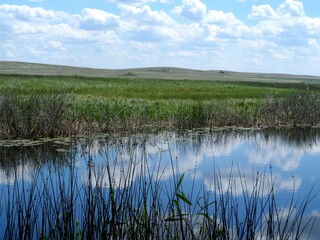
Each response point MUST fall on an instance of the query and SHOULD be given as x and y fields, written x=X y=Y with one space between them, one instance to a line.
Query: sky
x=278 y=36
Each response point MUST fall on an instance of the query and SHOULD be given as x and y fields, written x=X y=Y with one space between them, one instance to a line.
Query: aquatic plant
x=294 y=109
x=34 y=116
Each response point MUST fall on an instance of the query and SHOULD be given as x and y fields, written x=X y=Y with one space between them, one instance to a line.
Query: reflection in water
x=126 y=161
x=17 y=159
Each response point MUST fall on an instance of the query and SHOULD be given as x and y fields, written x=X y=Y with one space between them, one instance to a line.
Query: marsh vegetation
x=47 y=106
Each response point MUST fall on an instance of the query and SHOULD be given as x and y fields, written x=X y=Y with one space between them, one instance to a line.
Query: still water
x=32 y=172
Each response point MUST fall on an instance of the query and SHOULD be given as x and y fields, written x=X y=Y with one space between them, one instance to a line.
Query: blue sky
x=240 y=35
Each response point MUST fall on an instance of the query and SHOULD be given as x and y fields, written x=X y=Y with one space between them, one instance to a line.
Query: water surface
x=290 y=157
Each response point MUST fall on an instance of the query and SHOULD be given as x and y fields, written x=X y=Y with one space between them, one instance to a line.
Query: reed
x=55 y=114
x=295 y=109
x=34 y=116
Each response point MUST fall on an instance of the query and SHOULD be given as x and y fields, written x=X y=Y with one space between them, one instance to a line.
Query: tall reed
x=34 y=116
x=295 y=109
x=53 y=114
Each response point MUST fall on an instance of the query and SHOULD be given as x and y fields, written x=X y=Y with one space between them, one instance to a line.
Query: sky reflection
x=237 y=158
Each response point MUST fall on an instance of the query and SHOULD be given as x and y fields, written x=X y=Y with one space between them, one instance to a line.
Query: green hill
x=24 y=68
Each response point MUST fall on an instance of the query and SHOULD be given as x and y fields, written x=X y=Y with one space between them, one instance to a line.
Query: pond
x=228 y=184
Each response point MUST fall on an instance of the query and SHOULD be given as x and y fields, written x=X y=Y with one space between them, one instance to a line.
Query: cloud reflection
x=198 y=155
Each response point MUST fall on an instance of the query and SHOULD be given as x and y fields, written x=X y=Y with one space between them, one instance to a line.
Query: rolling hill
x=7 y=67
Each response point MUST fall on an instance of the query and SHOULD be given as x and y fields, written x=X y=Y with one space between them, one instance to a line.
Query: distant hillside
x=7 y=67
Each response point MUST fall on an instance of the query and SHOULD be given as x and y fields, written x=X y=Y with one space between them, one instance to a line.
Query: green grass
x=118 y=104
x=151 y=89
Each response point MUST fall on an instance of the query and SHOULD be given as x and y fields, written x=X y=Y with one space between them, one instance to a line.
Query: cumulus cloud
x=24 y=12
x=132 y=2
x=291 y=8
x=188 y=35
x=192 y=9
x=224 y=25
x=286 y=35
x=154 y=34
x=95 y=19
x=143 y=24
x=288 y=26
x=41 y=35
x=262 y=12
x=220 y=18
x=144 y=15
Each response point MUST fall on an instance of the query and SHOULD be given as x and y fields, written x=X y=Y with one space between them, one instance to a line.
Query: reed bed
x=34 y=116
x=134 y=201
x=295 y=109
x=52 y=114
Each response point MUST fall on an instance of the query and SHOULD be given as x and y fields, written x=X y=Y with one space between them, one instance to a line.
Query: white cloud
x=190 y=32
x=144 y=15
x=292 y=29
x=132 y=2
x=289 y=37
x=142 y=24
x=56 y=44
x=95 y=19
x=312 y=26
x=292 y=8
x=7 y=50
x=40 y=35
x=192 y=9
x=220 y=18
x=262 y=12
x=189 y=35
x=24 y=12
x=154 y=34
x=220 y=25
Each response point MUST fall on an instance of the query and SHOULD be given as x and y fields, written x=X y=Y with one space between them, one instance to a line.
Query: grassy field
x=151 y=89
x=65 y=101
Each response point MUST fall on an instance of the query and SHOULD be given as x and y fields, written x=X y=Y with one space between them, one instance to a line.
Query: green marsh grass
x=134 y=201
x=150 y=89
x=296 y=109
x=49 y=106
x=34 y=116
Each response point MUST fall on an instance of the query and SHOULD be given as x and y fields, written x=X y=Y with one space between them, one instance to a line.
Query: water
x=38 y=180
